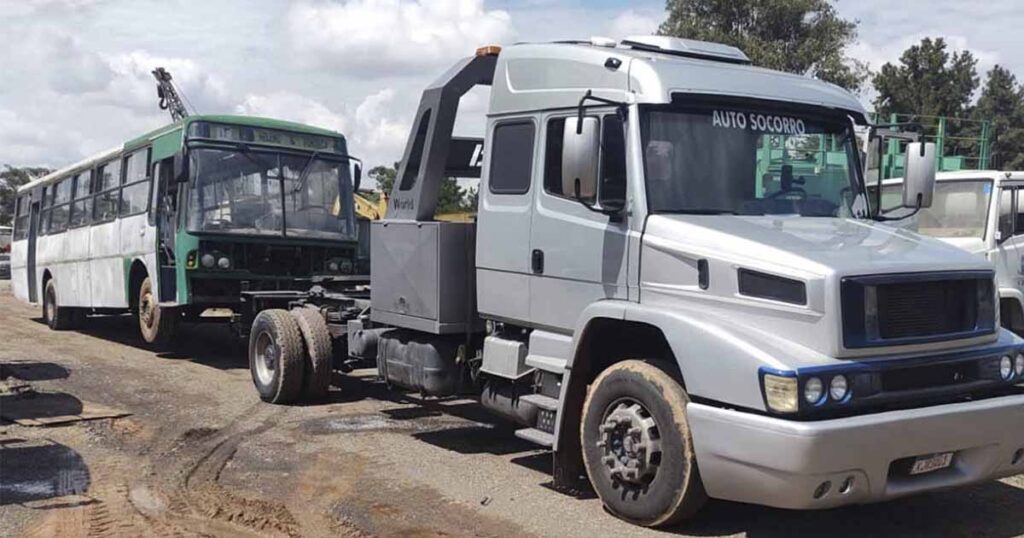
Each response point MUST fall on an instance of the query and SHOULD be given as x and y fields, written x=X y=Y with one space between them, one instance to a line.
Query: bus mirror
x=919 y=175
x=580 y=145
x=180 y=167
x=357 y=176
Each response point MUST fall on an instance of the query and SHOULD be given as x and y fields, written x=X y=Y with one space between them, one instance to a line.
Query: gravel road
x=198 y=454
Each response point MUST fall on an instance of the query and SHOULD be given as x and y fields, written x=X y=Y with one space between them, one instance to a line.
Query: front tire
x=56 y=317
x=156 y=324
x=637 y=446
x=276 y=356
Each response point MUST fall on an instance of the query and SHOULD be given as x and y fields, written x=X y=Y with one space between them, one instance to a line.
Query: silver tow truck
x=677 y=283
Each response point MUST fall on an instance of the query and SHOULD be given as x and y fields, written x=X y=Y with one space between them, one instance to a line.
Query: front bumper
x=770 y=461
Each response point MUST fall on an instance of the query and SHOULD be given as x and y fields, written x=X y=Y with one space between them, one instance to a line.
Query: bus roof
x=251 y=121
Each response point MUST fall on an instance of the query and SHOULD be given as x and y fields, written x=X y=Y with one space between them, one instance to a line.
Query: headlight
x=1006 y=367
x=332 y=266
x=224 y=262
x=1019 y=365
x=813 y=390
x=838 y=388
x=207 y=260
x=346 y=266
x=781 y=393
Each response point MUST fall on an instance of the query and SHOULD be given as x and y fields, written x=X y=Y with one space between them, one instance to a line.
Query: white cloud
x=293 y=107
x=877 y=55
x=133 y=86
x=21 y=8
x=379 y=135
x=632 y=22
x=394 y=36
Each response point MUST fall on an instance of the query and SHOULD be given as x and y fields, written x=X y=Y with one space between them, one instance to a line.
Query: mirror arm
x=589 y=96
x=883 y=218
x=614 y=214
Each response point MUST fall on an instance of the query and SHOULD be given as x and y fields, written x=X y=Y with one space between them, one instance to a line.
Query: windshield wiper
x=305 y=172
x=703 y=212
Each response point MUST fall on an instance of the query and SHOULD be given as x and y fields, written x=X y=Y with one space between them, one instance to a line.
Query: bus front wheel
x=156 y=324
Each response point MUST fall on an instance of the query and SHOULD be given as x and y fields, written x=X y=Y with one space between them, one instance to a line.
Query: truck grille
x=911 y=308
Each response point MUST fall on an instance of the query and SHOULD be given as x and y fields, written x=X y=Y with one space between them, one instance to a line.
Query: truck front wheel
x=637 y=446
x=276 y=356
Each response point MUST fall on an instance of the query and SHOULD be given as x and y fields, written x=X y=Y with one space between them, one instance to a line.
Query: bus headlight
x=207 y=260
x=223 y=262
x=1019 y=365
x=781 y=393
x=333 y=267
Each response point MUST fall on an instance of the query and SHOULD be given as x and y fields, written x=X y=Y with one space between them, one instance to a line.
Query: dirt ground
x=198 y=454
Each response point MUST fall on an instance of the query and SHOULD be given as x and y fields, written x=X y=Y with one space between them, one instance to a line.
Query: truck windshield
x=710 y=160
x=959 y=208
x=274 y=194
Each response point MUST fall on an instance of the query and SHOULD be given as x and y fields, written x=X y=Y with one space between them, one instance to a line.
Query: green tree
x=798 y=36
x=10 y=179
x=1002 y=104
x=384 y=176
x=928 y=80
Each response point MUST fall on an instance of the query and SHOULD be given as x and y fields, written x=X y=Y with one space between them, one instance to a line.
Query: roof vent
x=687 y=47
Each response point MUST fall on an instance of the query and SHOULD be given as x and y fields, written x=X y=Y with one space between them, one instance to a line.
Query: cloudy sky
x=75 y=74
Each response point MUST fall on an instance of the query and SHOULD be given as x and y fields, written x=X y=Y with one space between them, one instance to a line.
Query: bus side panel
x=106 y=268
x=76 y=248
x=138 y=241
x=19 y=269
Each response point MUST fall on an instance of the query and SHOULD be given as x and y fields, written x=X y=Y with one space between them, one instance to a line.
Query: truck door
x=578 y=255
x=503 y=230
x=1006 y=255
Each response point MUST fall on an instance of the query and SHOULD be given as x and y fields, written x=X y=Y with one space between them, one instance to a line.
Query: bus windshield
x=959 y=208
x=729 y=160
x=273 y=194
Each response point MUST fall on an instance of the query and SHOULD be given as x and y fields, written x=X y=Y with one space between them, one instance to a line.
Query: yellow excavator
x=371 y=205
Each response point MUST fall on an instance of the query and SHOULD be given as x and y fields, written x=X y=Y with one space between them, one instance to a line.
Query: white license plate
x=934 y=462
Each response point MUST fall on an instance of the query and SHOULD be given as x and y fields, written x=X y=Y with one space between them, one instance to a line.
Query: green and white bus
x=182 y=222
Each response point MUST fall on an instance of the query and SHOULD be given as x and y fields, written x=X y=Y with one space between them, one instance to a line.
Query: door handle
x=537 y=261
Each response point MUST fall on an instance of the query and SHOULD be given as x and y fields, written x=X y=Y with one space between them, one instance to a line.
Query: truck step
x=546 y=403
x=548 y=364
x=534 y=435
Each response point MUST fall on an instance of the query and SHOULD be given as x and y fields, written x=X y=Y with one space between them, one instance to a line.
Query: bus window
x=81 y=207
x=21 y=217
x=135 y=194
x=61 y=206
x=108 y=179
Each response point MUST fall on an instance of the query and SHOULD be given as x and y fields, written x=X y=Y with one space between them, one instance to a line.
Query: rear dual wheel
x=290 y=355
x=637 y=446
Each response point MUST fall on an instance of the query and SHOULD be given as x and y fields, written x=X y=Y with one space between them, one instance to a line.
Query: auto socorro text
x=731 y=119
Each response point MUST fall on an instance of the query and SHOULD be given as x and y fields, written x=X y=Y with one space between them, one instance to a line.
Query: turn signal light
x=488 y=50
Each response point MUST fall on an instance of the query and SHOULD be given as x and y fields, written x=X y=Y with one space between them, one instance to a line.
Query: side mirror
x=179 y=171
x=357 y=176
x=919 y=175
x=580 y=146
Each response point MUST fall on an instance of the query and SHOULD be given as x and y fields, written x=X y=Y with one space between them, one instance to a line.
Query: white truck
x=978 y=211
x=663 y=290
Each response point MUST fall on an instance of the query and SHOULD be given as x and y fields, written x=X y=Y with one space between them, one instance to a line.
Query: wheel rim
x=146 y=310
x=631 y=443
x=266 y=357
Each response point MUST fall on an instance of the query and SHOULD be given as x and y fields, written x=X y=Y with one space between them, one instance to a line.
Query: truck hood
x=815 y=245
x=974 y=245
